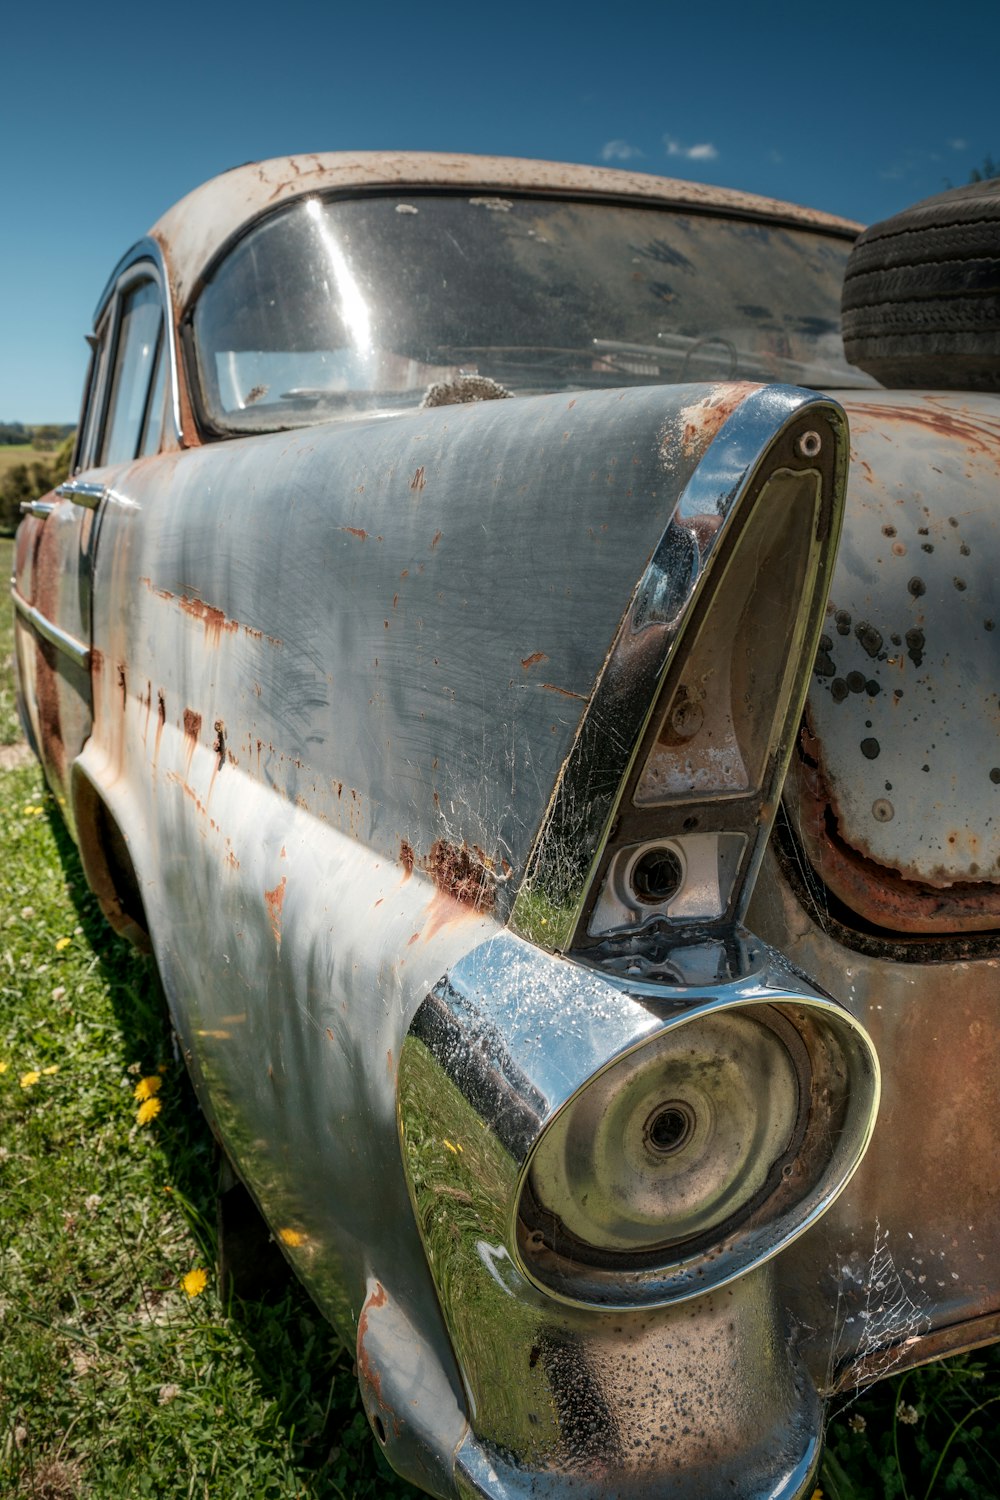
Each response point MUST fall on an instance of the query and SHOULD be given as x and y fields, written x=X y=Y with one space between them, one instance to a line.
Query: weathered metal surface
x=327 y=808
x=898 y=791
x=905 y=1266
x=197 y=227
x=488 y=1063
x=755 y=432
x=341 y=678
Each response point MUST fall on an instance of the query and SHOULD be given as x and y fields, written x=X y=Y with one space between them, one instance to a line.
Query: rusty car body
x=537 y=704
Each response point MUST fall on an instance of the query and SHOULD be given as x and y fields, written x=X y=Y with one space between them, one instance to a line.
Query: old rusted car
x=537 y=703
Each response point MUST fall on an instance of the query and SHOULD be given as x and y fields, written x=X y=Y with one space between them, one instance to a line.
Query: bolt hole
x=810 y=444
x=380 y=1430
x=656 y=876
x=668 y=1128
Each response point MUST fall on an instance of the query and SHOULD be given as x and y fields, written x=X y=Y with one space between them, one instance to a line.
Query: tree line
x=43 y=435
x=29 y=480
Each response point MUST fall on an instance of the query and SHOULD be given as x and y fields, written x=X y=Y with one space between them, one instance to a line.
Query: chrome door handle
x=40 y=508
x=82 y=492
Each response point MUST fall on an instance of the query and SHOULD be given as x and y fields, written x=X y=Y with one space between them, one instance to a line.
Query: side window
x=155 y=407
x=90 y=417
x=139 y=336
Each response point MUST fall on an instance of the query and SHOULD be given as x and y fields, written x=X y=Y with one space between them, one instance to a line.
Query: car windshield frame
x=311 y=390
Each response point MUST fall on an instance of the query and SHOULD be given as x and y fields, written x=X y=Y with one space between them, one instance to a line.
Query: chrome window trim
x=145 y=258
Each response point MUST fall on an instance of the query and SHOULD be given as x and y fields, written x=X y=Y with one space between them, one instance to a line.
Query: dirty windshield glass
x=362 y=305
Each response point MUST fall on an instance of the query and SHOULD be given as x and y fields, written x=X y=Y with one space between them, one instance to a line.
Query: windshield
x=363 y=304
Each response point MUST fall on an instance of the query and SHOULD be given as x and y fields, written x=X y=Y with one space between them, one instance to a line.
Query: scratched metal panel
x=904 y=1267
x=320 y=657
x=397 y=623
x=905 y=702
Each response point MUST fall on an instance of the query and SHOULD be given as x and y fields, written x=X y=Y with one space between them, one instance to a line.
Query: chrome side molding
x=77 y=651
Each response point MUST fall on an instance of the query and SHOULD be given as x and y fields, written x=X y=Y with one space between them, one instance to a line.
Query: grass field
x=122 y=1373
x=12 y=454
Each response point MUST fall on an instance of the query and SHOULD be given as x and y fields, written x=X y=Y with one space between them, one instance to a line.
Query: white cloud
x=958 y=144
x=703 y=152
x=619 y=151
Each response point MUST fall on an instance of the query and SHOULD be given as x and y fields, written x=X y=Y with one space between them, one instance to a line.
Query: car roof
x=192 y=233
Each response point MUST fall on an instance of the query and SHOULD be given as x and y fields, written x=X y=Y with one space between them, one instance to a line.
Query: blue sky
x=109 y=113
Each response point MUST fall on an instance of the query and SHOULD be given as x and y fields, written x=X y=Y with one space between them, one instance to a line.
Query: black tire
x=921 y=300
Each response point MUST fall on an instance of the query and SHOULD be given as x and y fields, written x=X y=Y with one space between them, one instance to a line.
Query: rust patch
x=406 y=857
x=161 y=719
x=464 y=874
x=436 y=538
x=369 y=1375
x=530 y=661
x=219 y=743
x=274 y=901
x=356 y=531
x=123 y=685
x=214 y=620
x=700 y=422
x=883 y=897
x=976 y=434
x=418 y=481
x=192 y=724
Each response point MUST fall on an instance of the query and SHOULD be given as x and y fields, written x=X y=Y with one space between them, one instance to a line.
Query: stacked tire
x=921 y=299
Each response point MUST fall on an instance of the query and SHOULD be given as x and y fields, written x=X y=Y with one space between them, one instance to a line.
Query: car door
x=122 y=420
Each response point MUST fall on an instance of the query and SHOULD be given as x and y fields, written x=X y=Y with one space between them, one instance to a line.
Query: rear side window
x=139 y=336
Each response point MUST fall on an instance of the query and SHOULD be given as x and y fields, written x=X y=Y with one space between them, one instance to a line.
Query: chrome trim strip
x=149 y=250
x=77 y=652
x=39 y=508
x=570 y=844
x=82 y=492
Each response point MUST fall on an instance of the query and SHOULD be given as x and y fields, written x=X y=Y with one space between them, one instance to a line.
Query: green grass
x=115 y=1382
x=10 y=728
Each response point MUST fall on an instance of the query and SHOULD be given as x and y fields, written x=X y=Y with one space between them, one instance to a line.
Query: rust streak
x=550 y=687
x=418 y=481
x=214 y=620
x=275 y=900
x=529 y=661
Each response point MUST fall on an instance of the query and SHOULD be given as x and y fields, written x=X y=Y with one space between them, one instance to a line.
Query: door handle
x=82 y=492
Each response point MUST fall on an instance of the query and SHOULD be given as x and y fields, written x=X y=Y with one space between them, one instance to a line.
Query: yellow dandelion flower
x=28 y=1080
x=52 y=1068
x=291 y=1237
x=4 y=1066
x=148 y=1111
x=62 y=943
x=147 y=1087
x=195 y=1282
